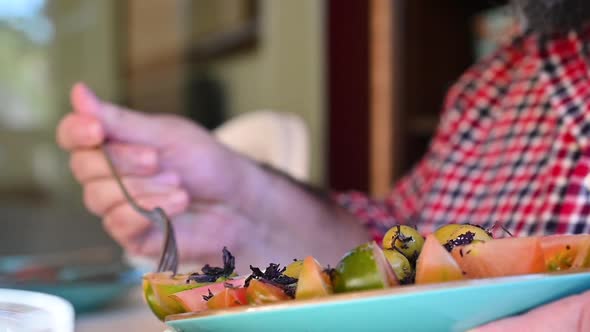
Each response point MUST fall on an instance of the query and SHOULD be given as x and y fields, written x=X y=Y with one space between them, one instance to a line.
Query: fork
x=169 y=256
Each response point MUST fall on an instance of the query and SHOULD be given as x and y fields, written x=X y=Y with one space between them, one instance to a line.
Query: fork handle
x=119 y=181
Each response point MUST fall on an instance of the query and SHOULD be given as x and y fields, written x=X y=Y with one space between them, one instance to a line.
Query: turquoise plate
x=456 y=306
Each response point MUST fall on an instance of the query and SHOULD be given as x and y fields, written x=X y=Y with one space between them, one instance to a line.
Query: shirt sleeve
x=404 y=202
x=410 y=195
x=398 y=207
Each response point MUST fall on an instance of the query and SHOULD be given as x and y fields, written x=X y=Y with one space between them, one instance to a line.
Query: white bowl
x=32 y=311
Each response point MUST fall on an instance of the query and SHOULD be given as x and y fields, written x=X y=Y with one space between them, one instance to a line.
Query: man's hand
x=165 y=161
x=569 y=314
x=215 y=196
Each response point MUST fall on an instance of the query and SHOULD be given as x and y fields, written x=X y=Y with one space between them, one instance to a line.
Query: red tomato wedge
x=501 y=257
x=259 y=292
x=227 y=298
x=313 y=281
x=435 y=264
x=192 y=300
x=563 y=252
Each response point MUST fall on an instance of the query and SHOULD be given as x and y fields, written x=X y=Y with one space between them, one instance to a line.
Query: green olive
x=465 y=234
x=407 y=240
x=444 y=233
x=400 y=264
x=480 y=233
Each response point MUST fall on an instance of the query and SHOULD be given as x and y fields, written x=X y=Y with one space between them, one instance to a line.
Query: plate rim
x=372 y=294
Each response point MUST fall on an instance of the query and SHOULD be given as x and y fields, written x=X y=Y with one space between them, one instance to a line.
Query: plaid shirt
x=512 y=148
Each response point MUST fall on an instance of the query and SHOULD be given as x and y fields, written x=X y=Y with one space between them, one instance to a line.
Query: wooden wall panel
x=155 y=65
x=348 y=94
x=382 y=96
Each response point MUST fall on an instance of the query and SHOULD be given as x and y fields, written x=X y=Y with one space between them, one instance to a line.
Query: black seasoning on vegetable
x=208 y=297
x=275 y=276
x=330 y=272
x=461 y=240
x=409 y=278
x=402 y=238
x=212 y=274
x=228 y=285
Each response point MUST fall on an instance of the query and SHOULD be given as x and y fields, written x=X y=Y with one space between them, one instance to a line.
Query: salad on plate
x=454 y=252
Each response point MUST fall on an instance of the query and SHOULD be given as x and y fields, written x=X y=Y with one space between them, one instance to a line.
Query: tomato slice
x=313 y=281
x=156 y=290
x=259 y=292
x=192 y=300
x=227 y=298
x=501 y=257
x=563 y=252
x=435 y=264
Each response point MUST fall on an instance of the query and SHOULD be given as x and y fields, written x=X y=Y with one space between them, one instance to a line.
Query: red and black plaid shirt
x=512 y=148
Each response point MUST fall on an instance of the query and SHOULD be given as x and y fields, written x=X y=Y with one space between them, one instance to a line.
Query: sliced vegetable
x=294 y=269
x=156 y=290
x=227 y=298
x=436 y=264
x=260 y=292
x=563 y=252
x=363 y=268
x=454 y=252
x=151 y=300
x=583 y=257
x=313 y=281
x=500 y=257
x=195 y=300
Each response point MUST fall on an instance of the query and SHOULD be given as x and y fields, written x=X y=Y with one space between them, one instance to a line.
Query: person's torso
x=513 y=147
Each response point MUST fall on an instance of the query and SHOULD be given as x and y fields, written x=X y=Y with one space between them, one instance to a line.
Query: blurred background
x=366 y=78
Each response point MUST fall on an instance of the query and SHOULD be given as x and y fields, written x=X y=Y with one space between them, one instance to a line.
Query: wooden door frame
x=361 y=112
x=348 y=94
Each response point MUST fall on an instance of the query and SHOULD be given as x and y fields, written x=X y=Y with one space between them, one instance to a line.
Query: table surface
x=128 y=314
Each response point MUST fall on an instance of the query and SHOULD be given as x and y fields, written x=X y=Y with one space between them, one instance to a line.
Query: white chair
x=276 y=138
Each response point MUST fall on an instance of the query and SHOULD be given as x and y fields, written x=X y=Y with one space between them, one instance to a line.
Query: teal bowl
x=86 y=296
x=456 y=306
x=88 y=285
